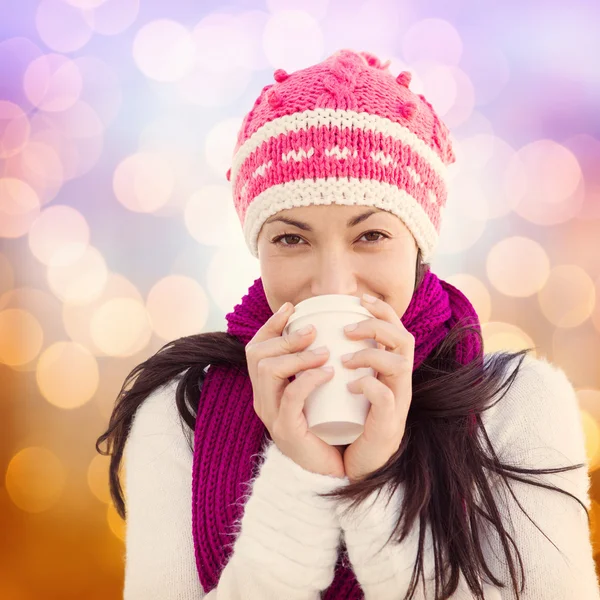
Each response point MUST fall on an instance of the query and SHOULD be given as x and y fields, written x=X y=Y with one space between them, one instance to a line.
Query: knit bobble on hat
x=280 y=75
x=374 y=61
x=404 y=78
x=407 y=109
x=274 y=98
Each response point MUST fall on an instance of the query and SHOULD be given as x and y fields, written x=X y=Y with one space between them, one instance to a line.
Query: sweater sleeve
x=289 y=536
x=159 y=550
x=287 y=540
x=535 y=425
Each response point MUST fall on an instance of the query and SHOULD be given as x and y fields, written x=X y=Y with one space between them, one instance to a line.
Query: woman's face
x=325 y=252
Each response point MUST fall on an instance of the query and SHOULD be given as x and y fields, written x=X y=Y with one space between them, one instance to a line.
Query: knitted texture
x=343 y=131
x=230 y=437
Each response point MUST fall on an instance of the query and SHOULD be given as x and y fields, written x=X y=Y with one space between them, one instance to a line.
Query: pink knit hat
x=343 y=131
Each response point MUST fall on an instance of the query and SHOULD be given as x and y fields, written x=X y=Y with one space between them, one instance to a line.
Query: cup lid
x=328 y=303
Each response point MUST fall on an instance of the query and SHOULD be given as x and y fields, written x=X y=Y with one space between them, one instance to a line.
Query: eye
x=284 y=236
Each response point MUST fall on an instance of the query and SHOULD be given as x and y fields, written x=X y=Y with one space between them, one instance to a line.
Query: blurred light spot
x=505 y=337
x=315 y=8
x=376 y=23
x=164 y=50
x=121 y=327
x=222 y=71
x=19 y=207
x=77 y=319
x=203 y=87
x=589 y=400
x=518 y=267
x=112 y=17
x=85 y=3
x=45 y=309
x=250 y=26
x=476 y=291
x=568 y=297
x=546 y=181
x=35 y=479
x=174 y=141
x=77 y=280
x=459 y=231
x=79 y=121
x=61 y=26
x=218 y=44
x=210 y=216
x=576 y=351
x=219 y=144
x=15 y=55
x=432 y=40
x=475 y=151
x=14 y=129
x=178 y=306
x=143 y=182
x=440 y=87
x=56 y=227
x=7 y=276
x=587 y=150
x=115 y=523
x=39 y=165
x=76 y=135
x=242 y=269
x=21 y=337
x=451 y=92
x=477 y=187
x=97 y=477
x=285 y=40
x=592 y=439
x=101 y=87
x=52 y=82
x=596 y=311
x=486 y=63
x=67 y=375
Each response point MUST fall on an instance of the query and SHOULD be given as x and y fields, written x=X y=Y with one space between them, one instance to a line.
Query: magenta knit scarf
x=229 y=435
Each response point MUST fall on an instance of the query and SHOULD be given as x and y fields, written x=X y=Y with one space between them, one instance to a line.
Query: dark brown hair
x=438 y=461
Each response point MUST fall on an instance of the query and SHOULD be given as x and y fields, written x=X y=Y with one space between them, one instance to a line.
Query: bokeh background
x=118 y=234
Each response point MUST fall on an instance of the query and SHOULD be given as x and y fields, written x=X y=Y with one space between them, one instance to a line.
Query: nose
x=334 y=273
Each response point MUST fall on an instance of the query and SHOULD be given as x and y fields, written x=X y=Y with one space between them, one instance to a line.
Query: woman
x=339 y=181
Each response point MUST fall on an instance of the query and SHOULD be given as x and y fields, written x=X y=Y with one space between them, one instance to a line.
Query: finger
x=283 y=366
x=279 y=345
x=394 y=338
x=380 y=309
x=387 y=364
x=382 y=422
x=274 y=373
x=291 y=416
x=274 y=324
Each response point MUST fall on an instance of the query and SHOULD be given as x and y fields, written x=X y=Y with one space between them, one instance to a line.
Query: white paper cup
x=332 y=412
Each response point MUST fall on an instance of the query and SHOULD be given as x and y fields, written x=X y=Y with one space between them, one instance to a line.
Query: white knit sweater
x=288 y=538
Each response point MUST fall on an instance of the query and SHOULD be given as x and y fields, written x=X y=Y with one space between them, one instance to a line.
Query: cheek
x=278 y=282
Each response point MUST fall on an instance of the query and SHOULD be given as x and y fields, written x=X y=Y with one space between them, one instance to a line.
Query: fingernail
x=283 y=307
x=348 y=356
x=320 y=350
x=351 y=327
x=369 y=298
x=306 y=329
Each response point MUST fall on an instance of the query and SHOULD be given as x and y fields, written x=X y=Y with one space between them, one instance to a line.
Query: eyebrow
x=306 y=227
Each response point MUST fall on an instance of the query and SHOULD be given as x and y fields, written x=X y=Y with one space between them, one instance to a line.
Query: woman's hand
x=390 y=392
x=272 y=359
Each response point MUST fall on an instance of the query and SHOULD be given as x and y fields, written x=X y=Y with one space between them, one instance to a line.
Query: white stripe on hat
x=347 y=192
